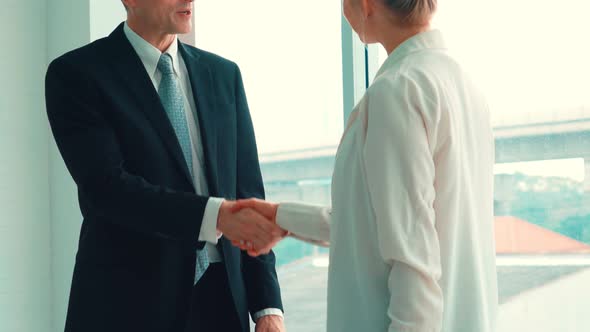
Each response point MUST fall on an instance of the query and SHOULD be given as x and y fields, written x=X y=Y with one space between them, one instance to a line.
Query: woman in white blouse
x=411 y=224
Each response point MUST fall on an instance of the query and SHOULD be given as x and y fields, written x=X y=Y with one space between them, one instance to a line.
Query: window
x=531 y=60
x=290 y=56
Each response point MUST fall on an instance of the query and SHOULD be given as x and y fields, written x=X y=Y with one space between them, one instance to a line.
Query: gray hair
x=413 y=11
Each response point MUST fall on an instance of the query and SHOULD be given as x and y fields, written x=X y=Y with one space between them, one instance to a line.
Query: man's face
x=165 y=16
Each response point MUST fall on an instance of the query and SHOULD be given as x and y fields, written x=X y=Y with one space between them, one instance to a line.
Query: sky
x=290 y=57
x=530 y=57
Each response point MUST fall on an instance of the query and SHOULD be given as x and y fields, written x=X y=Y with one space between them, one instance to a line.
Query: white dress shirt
x=150 y=56
x=411 y=226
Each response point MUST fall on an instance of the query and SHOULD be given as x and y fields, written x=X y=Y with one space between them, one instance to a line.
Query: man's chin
x=180 y=29
x=183 y=31
x=184 y=27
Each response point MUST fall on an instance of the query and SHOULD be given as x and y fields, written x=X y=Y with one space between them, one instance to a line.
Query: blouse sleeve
x=399 y=170
x=306 y=222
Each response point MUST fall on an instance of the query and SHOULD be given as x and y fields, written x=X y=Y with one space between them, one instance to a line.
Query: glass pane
x=292 y=71
x=531 y=59
x=290 y=55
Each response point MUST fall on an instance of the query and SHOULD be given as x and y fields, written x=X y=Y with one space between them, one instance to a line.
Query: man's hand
x=270 y=323
x=248 y=227
x=266 y=209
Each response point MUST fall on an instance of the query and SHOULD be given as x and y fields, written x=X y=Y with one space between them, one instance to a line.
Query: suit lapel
x=202 y=87
x=131 y=71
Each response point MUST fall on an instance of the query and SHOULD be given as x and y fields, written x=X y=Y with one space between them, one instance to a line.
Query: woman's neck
x=395 y=35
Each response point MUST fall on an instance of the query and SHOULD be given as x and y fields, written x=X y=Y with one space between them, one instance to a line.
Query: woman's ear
x=367 y=7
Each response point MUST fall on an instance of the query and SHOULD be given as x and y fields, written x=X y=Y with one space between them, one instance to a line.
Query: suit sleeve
x=259 y=273
x=400 y=170
x=89 y=147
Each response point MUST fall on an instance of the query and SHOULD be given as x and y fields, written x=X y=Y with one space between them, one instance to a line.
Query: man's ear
x=129 y=4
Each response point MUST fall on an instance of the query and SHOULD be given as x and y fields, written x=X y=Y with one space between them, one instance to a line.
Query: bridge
x=306 y=174
x=555 y=135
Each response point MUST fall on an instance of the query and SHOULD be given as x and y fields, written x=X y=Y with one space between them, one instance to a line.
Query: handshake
x=250 y=225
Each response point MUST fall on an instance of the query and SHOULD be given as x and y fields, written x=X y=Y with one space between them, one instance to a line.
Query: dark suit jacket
x=135 y=263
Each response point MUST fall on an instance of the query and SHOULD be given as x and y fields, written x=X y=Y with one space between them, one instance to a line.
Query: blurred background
x=304 y=69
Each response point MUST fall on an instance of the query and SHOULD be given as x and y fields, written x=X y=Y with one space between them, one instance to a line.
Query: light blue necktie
x=173 y=102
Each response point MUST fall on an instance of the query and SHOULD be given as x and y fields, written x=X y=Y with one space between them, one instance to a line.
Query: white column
x=71 y=24
x=68 y=28
x=25 y=273
x=105 y=16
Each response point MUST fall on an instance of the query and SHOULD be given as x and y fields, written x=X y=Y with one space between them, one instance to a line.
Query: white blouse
x=411 y=225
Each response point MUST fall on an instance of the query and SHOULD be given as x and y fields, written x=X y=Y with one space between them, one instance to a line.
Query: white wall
x=25 y=269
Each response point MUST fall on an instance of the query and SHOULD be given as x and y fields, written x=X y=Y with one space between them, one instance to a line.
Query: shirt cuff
x=209 y=231
x=267 y=312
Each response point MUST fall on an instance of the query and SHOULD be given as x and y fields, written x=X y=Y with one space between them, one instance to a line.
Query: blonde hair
x=414 y=12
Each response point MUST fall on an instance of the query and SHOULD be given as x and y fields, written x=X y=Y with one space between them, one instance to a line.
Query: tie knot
x=165 y=64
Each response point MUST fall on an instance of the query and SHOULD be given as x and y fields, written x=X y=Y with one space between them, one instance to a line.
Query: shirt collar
x=150 y=55
x=431 y=39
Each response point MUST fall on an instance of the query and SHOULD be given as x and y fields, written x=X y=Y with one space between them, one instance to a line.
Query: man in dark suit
x=156 y=133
